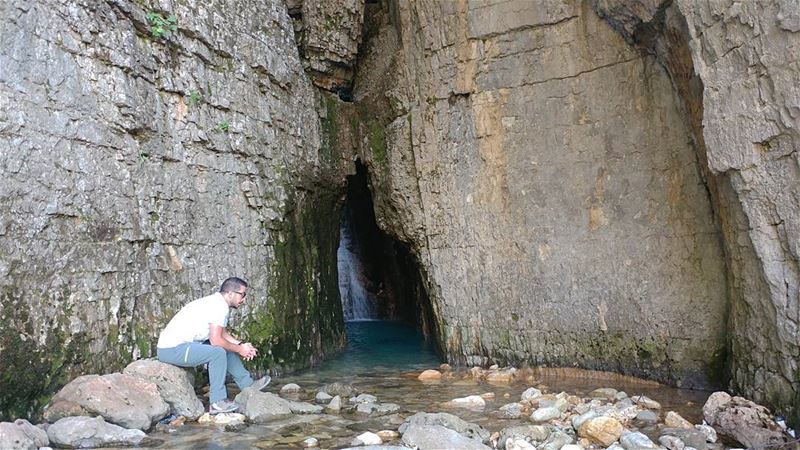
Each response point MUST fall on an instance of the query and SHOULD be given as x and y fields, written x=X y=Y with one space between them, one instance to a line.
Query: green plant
x=194 y=98
x=224 y=126
x=161 y=27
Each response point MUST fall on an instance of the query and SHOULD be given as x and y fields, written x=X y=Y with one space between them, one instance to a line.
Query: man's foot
x=261 y=383
x=222 y=406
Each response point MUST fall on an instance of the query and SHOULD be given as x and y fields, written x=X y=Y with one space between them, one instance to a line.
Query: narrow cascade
x=357 y=302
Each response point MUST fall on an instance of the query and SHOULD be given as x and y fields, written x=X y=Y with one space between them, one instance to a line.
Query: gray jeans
x=220 y=362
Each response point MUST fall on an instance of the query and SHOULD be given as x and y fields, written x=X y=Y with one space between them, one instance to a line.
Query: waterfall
x=357 y=302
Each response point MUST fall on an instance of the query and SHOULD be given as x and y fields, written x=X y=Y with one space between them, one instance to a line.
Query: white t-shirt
x=191 y=322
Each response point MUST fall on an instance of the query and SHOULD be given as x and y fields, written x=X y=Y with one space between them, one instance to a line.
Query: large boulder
x=742 y=422
x=261 y=407
x=122 y=399
x=176 y=386
x=603 y=430
x=446 y=420
x=435 y=437
x=21 y=435
x=90 y=432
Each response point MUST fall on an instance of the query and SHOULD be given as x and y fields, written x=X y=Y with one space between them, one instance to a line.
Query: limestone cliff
x=148 y=150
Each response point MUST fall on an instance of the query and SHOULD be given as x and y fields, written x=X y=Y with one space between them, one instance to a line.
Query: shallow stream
x=383 y=359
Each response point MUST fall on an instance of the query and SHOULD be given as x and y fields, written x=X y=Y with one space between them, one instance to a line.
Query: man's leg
x=194 y=354
x=235 y=367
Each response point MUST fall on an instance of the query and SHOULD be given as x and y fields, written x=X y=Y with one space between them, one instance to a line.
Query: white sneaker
x=261 y=383
x=222 y=406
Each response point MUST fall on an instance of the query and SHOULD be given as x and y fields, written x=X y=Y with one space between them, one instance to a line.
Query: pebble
x=472 y=401
x=388 y=435
x=674 y=420
x=647 y=402
x=430 y=374
x=367 y=438
x=531 y=393
x=545 y=414
x=323 y=397
x=636 y=440
x=310 y=442
x=647 y=417
x=671 y=442
x=603 y=430
x=364 y=398
x=519 y=444
x=290 y=388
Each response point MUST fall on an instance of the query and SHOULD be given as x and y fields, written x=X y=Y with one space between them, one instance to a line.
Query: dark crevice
x=379 y=269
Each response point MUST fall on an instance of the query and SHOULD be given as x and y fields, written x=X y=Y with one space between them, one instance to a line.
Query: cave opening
x=380 y=279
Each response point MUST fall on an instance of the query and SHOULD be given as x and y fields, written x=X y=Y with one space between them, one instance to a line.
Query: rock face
x=726 y=61
x=175 y=385
x=531 y=142
x=125 y=400
x=140 y=170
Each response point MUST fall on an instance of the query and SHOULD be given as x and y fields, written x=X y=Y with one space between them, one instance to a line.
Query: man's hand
x=247 y=351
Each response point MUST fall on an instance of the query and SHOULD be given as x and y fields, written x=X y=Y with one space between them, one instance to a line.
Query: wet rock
x=175 y=384
x=710 y=432
x=602 y=430
x=261 y=407
x=430 y=374
x=691 y=438
x=501 y=376
x=364 y=398
x=334 y=406
x=530 y=394
x=447 y=420
x=304 y=408
x=578 y=420
x=621 y=395
x=290 y=388
x=236 y=425
x=647 y=417
x=604 y=393
x=388 y=435
x=121 y=399
x=635 y=441
x=322 y=397
x=508 y=411
x=367 y=438
x=340 y=389
x=87 y=432
x=226 y=418
x=560 y=404
x=519 y=444
x=674 y=420
x=536 y=434
x=556 y=441
x=645 y=401
x=545 y=414
x=471 y=401
x=742 y=421
x=436 y=437
x=310 y=442
x=671 y=442
x=374 y=409
x=22 y=435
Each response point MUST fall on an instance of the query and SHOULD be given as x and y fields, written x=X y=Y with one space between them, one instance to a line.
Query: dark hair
x=232 y=284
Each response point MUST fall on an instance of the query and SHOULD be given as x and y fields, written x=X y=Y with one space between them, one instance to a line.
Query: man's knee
x=217 y=353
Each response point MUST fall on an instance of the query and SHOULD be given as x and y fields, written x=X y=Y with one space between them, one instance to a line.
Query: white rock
x=671 y=442
x=290 y=388
x=519 y=444
x=310 y=442
x=368 y=438
x=531 y=393
x=323 y=397
x=572 y=447
x=364 y=398
x=472 y=401
x=635 y=441
x=709 y=431
x=545 y=414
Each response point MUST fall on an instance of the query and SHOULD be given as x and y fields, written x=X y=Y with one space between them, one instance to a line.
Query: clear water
x=377 y=347
x=384 y=359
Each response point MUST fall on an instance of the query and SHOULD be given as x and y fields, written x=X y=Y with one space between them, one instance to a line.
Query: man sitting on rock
x=197 y=335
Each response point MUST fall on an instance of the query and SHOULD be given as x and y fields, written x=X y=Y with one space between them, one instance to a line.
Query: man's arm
x=228 y=337
x=217 y=337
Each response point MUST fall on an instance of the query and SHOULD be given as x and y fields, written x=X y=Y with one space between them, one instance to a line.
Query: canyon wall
x=148 y=151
